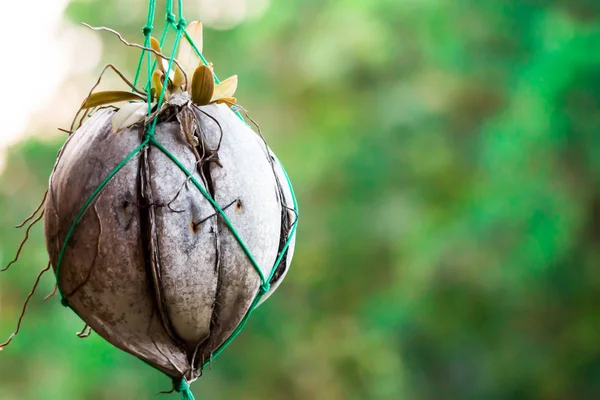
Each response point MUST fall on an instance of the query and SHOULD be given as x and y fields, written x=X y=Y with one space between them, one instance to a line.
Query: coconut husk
x=151 y=267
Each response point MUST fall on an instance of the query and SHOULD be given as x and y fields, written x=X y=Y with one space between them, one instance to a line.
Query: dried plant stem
x=139 y=46
x=93 y=263
x=169 y=392
x=286 y=223
x=24 y=309
x=217 y=213
x=218 y=124
x=35 y=221
x=106 y=67
x=22 y=224
x=51 y=295
x=283 y=202
x=85 y=332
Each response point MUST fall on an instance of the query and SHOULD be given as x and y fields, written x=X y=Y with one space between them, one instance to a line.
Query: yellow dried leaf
x=226 y=100
x=110 y=97
x=187 y=57
x=203 y=86
x=226 y=88
x=128 y=115
x=157 y=82
x=178 y=77
x=161 y=62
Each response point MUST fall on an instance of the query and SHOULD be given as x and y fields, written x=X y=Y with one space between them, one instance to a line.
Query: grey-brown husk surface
x=151 y=267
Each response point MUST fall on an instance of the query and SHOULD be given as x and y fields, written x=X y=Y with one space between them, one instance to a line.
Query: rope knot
x=171 y=18
x=64 y=302
x=264 y=288
x=149 y=134
x=182 y=386
x=181 y=24
x=147 y=30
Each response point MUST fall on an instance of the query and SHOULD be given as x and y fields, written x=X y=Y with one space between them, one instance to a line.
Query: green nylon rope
x=85 y=207
x=183 y=388
x=182 y=385
x=214 y=204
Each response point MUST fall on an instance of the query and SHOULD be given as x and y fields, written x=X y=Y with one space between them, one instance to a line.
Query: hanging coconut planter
x=167 y=218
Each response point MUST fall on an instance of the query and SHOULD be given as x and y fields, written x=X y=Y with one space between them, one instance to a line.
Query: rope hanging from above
x=171 y=292
x=165 y=77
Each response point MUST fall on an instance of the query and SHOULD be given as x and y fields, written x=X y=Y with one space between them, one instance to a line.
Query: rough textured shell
x=150 y=267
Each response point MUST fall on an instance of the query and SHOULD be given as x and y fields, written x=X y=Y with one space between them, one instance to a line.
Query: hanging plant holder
x=168 y=220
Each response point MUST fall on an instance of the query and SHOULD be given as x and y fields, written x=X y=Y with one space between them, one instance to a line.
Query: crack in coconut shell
x=148 y=230
x=192 y=132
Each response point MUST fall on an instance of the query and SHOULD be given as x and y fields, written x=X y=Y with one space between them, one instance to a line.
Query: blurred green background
x=445 y=158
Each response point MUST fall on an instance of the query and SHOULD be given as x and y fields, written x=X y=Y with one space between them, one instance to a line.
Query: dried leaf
x=178 y=77
x=128 y=115
x=157 y=82
x=187 y=57
x=226 y=100
x=226 y=88
x=161 y=62
x=110 y=97
x=203 y=86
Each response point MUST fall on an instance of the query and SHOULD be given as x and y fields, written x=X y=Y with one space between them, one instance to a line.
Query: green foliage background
x=445 y=157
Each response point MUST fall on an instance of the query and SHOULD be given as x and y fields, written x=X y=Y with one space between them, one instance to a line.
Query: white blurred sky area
x=49 y=61
x=40 y=49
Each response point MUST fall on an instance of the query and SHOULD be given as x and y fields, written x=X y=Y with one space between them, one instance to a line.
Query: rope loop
x=147 y=30
x=181 y=24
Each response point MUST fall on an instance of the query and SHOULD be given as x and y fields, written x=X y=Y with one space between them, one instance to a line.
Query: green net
x=177 y=25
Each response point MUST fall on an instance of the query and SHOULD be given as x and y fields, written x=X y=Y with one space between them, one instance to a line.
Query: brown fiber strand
x=51 y=295
x=138 y=46
x=23 y=242
x=85 y=332
x=24 y=309
x=106 y=67
x=22 y=224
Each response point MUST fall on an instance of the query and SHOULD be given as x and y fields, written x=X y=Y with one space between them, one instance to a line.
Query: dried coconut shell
x=150 y=266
